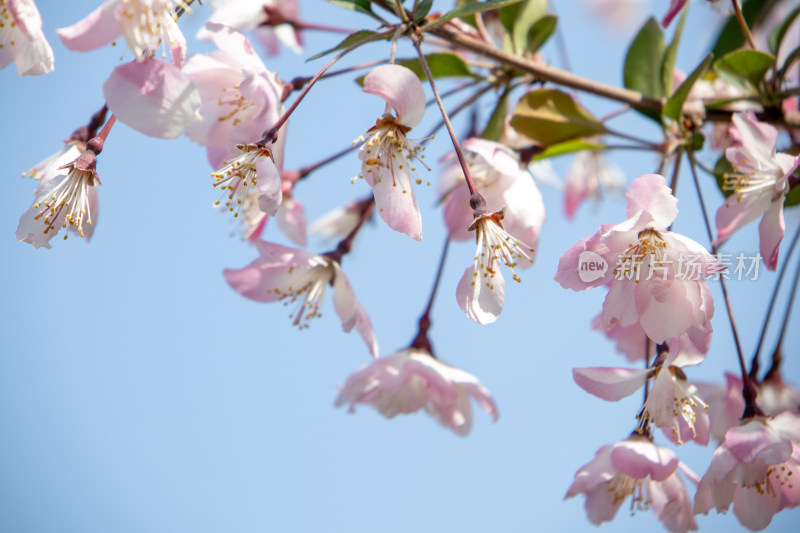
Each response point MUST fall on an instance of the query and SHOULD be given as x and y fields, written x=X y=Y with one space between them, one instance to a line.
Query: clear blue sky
x=139 y=393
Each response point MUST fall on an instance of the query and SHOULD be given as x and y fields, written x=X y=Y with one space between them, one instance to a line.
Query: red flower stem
x=271 y=134
x=754 y=367
x=749 y=390
x=476 y=201
x=421 y=341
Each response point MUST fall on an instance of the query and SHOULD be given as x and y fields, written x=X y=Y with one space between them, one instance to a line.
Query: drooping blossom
x=589 y=176
x=145 y=24
x=413 y=379
x=240 y=98
x=673 y=403
x=292 y=276
x=755 y=469
x=22 y=40
x=635 y=468
x=758 y=186
x=291 y=215
x=269 y=20
x=481 y=291
x=65 y=199
x=387 y=153
x=254 y=169
x=656 y=277
x=496 y=173
x=52 y=164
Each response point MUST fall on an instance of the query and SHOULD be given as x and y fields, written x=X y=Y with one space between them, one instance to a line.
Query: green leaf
x=731 y=36
x=361 y=36
x=674 y=104
x=529 y=14
x=538 y=34
x=751 y=65
x=354 y=5
x=644 y=64
x=549 y=116
x=697 y=141
x=792 y=197
x=442 y=65
x=668 y=69
x=494 y=128
x=567 y=147
x=777 y=35
x=722 y=168
x=470 y=8
x=423 y=9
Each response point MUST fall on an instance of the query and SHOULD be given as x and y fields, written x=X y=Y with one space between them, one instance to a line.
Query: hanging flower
x=758 y=186
x=21 y=38
x=387 y=153
x=413 y=379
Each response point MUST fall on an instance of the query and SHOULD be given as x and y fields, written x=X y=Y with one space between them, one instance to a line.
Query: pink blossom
x=637 y=468
x=756 y=469
x=146 y=24
x=758 y=186
x=240 y=98
x=496 y=172
x=290 y=275
x=655 y=276
x=66 y=198
x=481 y=291
x=254 y=169
x=22 y=40
x=589 y=174
x=413 y=379
x=291 y=216
x=387 y=153
x=672 y=404
x=268 y=18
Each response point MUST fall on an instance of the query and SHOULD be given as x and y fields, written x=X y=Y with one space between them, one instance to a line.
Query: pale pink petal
x=754 y=509
x=277 y=253
x=258 y=280
x=350 y=311
x=610 y=384
x=617 y=308
x=650 y=193
x=270 y=190
x=401 y=89
x=235 y=44
x=396 y=201
x=33 y=54
x=771 y=231
x=153 y=97
x=638 y=458
x=481 y=300
x=756 y=441
x=97 y=29
x=737 y=212
x=666 y=308
x=760 y=137
x=570 y=265
x=292 y=221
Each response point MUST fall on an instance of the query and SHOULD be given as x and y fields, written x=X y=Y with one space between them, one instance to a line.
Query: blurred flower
x=496 y=173
x=413 y=379
x=146 y=24
x=758 y=186
x=589 y=174
x=656 y=277
x=481 y=291
x=22 y=40
x=756 y=469
x=240 y=98
x=387 y=153
x=639 y=469
x=283 y=274
x=342 y=220
x=270 y=20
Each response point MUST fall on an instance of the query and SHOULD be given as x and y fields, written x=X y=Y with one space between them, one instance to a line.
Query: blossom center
x=649 y=246
x=68 y=202
x=8 y=26
x=496 y=245
x=622 y=486
x=239 y=176
x=387 y=147
x=308 y=287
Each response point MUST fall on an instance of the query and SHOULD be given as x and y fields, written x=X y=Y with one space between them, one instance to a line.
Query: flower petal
x=97 y=29
x=153 y=97
x=401 y=89
x=481 y=300
x=610 y=384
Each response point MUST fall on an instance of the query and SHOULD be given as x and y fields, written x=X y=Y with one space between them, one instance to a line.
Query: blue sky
x=139 y=393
